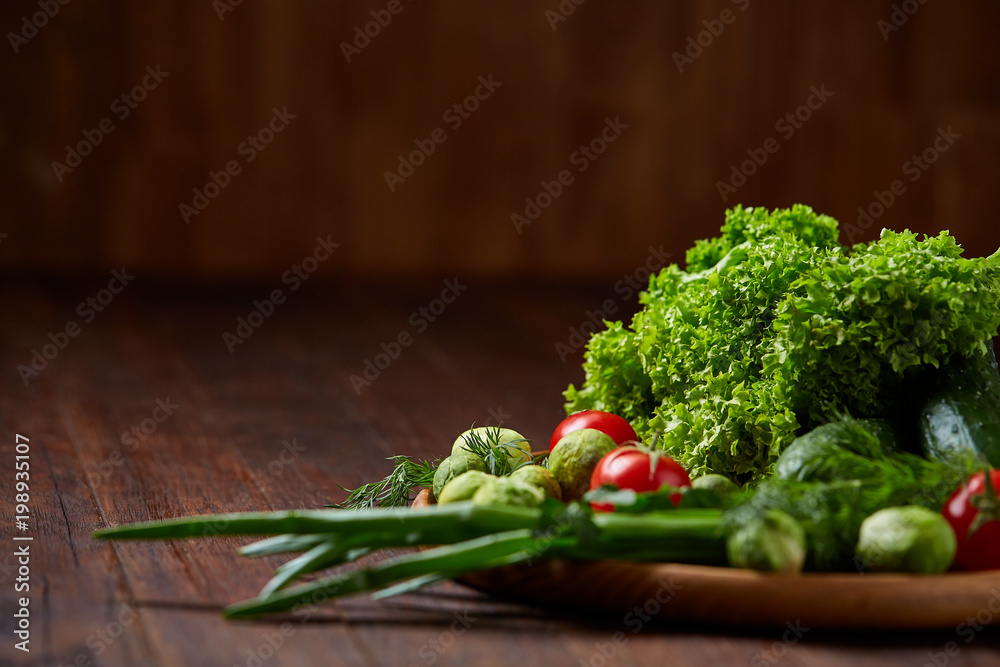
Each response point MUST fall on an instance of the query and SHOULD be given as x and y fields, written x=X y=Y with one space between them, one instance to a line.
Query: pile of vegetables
x=783 y=404
x=775 y=328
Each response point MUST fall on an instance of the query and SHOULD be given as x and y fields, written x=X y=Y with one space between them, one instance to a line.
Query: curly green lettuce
x=775 y=327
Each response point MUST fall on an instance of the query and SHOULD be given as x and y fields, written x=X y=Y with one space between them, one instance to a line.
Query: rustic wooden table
x=143 y=412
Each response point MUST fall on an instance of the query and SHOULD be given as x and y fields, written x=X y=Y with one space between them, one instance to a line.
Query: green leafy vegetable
x=394 y=490
x=773 y=542
x=831 y=512
x=842 y=449
x=775 y=328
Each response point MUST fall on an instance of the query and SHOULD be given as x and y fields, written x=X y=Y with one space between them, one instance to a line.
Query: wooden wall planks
x=324 y=174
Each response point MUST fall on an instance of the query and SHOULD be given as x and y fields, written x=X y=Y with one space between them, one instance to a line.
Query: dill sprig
x=394 y=490
x=495 y=455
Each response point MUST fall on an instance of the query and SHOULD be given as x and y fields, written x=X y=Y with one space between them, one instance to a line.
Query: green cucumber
x=844 y=449
x=960 y=410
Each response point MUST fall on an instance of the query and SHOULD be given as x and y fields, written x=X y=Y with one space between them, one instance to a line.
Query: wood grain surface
x=277 y=424
x=689 y=128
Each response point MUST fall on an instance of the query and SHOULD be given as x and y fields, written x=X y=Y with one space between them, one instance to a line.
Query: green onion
x=443 y=523
x=469 y=537
x=452 y=560
x=281 y=544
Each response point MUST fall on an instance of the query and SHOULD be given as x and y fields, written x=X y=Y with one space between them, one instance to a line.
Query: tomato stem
x=987 y=504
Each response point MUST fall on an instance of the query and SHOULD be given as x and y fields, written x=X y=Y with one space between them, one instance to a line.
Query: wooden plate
x=743 y=597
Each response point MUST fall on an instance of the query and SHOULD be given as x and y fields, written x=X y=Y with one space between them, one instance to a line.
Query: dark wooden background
x=495 y=354
x=324 y=174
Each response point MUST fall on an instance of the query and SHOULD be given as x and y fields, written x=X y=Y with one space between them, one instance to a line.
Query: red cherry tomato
x=632 y=468
x=612 y=425
x=981 y=550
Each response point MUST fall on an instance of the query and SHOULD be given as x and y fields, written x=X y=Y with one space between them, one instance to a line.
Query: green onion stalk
x=465 y=537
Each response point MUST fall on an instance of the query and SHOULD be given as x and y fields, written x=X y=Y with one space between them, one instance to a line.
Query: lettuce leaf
x=775 y=327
